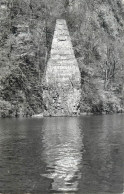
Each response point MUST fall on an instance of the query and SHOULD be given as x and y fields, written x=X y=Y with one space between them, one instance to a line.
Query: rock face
x=62 y=88
x=26 y=34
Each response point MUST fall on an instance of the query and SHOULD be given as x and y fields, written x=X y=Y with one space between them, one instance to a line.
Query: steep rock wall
x=96 y=29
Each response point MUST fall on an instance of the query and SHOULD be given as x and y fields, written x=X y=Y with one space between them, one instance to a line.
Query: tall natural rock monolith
x=62 y=89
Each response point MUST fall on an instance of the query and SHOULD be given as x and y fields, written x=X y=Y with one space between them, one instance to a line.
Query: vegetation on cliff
x=22 y=57
x=97 y=32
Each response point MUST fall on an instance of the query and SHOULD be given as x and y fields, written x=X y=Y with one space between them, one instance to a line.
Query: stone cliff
x=96 y=29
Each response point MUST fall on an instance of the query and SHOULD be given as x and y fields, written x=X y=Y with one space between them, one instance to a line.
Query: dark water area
x=69 y=155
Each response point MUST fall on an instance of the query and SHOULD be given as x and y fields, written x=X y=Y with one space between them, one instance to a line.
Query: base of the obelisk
x=61 y=101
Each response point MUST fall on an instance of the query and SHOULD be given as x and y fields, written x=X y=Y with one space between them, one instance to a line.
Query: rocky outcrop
x=62 y=84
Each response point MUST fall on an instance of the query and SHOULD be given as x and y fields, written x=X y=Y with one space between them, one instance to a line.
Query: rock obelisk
x=62 y=79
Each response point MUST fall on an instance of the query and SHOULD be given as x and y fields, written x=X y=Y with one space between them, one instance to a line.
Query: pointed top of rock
x=61 y=44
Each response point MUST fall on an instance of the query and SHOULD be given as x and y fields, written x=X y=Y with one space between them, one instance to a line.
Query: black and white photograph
x=62 y=96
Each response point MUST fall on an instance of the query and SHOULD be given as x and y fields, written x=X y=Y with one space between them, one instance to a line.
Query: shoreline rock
x=38 y=115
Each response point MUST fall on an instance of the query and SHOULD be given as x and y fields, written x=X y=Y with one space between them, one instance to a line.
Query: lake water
x=68 y=154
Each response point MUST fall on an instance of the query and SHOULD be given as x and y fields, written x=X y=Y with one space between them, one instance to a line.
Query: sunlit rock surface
x=62 y=80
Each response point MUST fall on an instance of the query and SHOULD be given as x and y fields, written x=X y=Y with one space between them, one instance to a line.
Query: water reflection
x=79 y=154
x=63 y=148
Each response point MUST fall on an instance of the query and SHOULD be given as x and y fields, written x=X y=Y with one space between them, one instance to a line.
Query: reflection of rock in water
x=63 y=152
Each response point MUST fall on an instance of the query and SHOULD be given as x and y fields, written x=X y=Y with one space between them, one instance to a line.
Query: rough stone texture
x=62 y=89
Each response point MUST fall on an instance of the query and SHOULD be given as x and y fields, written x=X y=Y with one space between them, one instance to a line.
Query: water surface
x=69 y=155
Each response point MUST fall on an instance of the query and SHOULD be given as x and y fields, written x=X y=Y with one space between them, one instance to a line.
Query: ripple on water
x=63 y=153
x=68 y=155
